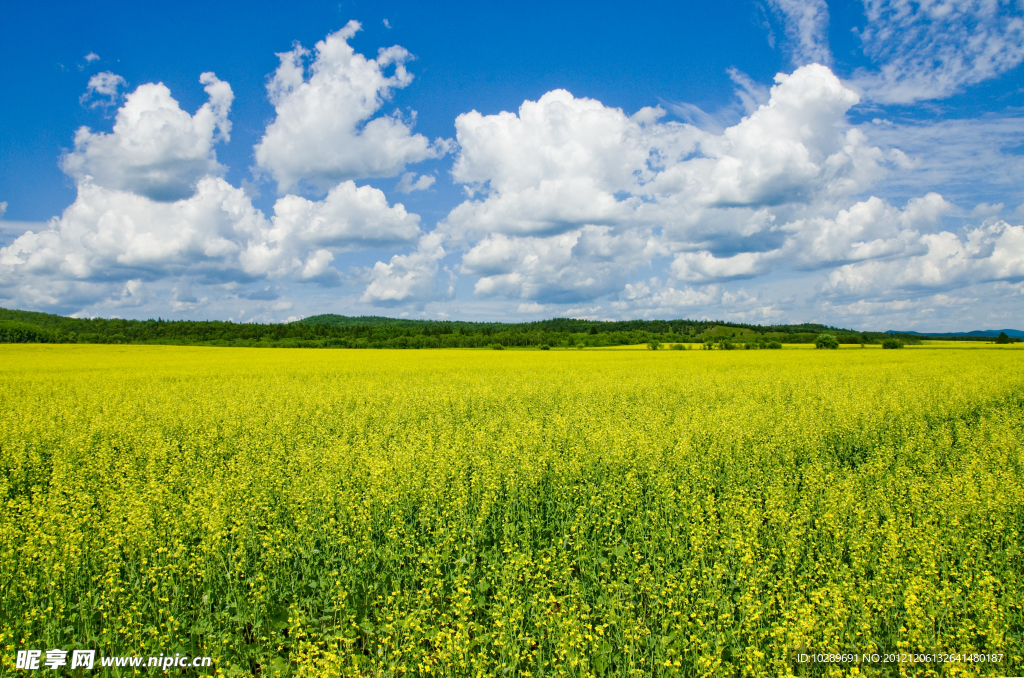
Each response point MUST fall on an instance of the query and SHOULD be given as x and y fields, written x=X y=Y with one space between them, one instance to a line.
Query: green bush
x=678 y=347
x=545 y=347
x=773 y=344
x=892 y=343
x=654 y=344
x=497 y=347
x=826 y=341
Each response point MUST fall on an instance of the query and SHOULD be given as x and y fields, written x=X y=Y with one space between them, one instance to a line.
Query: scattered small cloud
x=806 y=26
x=932 y=50
x=984 y=209
x=103 y=90
x=409 y=183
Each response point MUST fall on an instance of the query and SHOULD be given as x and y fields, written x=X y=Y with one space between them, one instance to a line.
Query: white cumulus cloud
x=216 y=236
x=993 y=251
x=570 y=196
x=870 y=229
x=118 y=235
x=349 y=217
x=568 y=267
x=555 y=166
x=407 y=278
x=325 y=131
x=156 y=149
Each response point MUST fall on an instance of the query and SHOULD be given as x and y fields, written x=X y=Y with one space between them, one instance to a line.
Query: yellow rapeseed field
x=514 y=513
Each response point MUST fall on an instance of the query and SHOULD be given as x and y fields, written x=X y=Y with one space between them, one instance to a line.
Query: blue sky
x=859 y=163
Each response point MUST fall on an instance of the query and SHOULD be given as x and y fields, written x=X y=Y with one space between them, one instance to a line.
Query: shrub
x=892 y=343
x=654 y=344
x=773 y=344
x=545 y=347
x=826 y=341
x=678 y=347
x=497 y=347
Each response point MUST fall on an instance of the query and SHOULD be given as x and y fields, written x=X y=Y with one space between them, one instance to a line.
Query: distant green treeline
x=334 y=331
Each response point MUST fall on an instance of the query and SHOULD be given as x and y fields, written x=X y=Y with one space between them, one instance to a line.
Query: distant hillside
x=986 y=334
x=571 y=325
x=338 y=331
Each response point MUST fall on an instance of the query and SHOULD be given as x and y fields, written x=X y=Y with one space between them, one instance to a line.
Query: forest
x=338 y=331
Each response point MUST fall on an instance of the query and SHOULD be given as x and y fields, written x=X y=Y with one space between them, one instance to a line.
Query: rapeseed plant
x=470 y=513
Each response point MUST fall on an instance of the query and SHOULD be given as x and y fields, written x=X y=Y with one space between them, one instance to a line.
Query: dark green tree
x=826 y=341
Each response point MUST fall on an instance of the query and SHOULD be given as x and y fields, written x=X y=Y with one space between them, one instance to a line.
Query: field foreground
x=482 y=513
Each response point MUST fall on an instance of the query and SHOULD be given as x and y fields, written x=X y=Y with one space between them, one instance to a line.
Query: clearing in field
x=481 y=513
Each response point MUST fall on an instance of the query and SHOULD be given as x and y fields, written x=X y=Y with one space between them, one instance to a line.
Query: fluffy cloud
x=991 y=252
x=150 y=208
x=870 y=229
x=555 y=166
x=323 y=132
x=117 y=235
x=576 y=195
x=564 y=162
x=407 y=278
x=569 y=267
x=792 y=150
x=156 y=149
x=569 y=198
x=108 y=237
x=704 y=266
x=655 y=299
x=349 y=217
x=931 y=49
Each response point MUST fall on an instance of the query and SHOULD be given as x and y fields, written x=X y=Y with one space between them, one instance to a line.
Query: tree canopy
x=337 y=331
